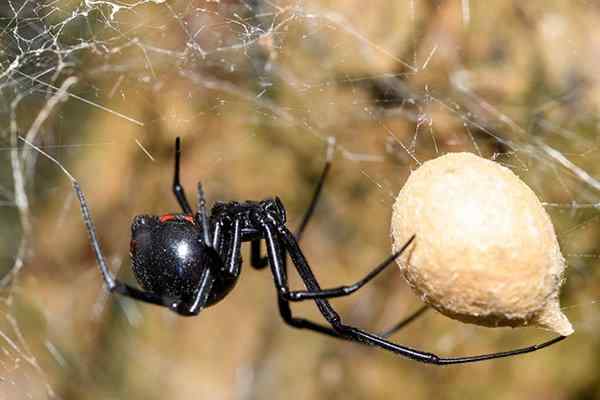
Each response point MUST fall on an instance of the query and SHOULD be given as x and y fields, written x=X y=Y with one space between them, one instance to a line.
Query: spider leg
x=359 y=335
x=406 y=321
x=217 y=237
x=202 y=217
x=259 y=261
x=285 y=310
x=200 y=299
x=315 y=198
x=276 y=255
x=339 y=291
x=177 y=187
x=231 y=250
x=301 y=323
x=234 y=260
x=137 y=294
x=226 y=245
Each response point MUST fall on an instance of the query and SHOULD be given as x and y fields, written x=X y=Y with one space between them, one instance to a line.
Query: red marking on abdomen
x=169 y=217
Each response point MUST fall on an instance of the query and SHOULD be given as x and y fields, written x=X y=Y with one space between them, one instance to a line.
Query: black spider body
x=189 y=261
x=168 y=255
x=250 y=215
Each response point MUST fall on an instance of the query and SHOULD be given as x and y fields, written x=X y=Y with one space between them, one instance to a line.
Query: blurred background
x=255 y=89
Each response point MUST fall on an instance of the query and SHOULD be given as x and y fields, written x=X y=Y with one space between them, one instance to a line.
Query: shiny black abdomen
x=168 y=258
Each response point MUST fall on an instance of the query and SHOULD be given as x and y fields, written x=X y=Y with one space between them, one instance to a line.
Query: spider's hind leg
x=300 y=323
x=364 y=337
x=404 y=322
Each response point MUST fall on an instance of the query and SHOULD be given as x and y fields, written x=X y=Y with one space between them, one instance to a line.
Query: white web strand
x=54 y=160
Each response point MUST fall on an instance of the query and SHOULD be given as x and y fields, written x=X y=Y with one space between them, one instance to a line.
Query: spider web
x=258 y=88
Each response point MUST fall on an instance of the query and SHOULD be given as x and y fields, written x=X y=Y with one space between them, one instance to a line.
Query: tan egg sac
x=485 y=250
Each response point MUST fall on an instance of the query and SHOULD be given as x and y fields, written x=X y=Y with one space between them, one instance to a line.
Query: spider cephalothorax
x=189 y=261
x=249 y=214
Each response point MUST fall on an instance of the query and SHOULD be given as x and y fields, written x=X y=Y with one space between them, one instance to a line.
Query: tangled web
x=394 y=84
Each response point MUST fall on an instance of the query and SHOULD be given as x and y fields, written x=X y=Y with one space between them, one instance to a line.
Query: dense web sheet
x=394 y=84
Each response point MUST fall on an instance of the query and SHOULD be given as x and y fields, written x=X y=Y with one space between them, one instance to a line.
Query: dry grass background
x=331 y=74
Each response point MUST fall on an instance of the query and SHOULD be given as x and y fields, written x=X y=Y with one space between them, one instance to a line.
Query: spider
x=189 y=261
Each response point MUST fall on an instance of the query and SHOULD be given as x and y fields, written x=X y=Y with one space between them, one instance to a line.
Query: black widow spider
x=188 y=261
